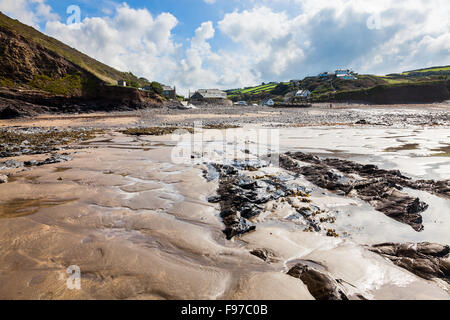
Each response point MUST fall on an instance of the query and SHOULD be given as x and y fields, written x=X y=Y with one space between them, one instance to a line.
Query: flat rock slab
x=380 y=188
x=427 y=260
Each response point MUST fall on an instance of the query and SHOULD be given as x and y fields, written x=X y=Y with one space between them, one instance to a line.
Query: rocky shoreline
x=245 y=193
x=260 y=207
x=381 y=188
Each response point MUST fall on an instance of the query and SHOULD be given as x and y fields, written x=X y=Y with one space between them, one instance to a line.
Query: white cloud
x=130 y=40
x=30 y=12
x=269 y=40
x=316 y=35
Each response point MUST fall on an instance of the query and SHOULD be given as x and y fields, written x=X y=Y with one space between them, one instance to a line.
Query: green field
x=252 y=90
x=434 y=69
x=266 y=88
x=395 y=81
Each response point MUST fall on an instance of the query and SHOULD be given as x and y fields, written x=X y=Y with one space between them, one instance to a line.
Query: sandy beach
x=140 y=225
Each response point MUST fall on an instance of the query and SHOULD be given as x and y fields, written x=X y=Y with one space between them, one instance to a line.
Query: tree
x=157 y=87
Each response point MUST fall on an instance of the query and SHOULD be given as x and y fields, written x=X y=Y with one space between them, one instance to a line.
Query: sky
x=229 y=44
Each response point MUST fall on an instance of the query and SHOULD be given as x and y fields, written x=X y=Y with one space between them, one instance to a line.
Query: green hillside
x=255 y=94
x=327 y=87
x=252 y=90
x=98 y=69
x=436 y=70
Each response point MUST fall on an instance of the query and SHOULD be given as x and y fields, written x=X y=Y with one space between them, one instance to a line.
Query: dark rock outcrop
x=39 y=74
x=17 y=103
x=420 y=92
x=242 y=198
x=427 y=260
x=264 y=254
x=9 y=113
x=381 y=188
x=13 y=164
x=321 y=285
x=237 y=203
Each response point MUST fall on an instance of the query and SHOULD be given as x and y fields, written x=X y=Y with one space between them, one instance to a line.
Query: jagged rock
x=237 y=226
x=264 y=254
x=51 y=160
x=321 y=285
x=380 y=188
x=427 y=260
x=9 y=113
x=3 y=179
x=214 y=199
x=242 y=197
x=11 y=164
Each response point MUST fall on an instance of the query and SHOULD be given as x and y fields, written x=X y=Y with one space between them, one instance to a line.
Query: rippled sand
x=140 y=227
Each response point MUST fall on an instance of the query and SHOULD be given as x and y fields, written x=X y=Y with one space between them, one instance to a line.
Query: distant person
x=331 y=106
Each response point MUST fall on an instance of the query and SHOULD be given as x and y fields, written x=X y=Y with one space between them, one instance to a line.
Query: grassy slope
x=321 y=87
x=252 y=90
x=100 y=70
x=257 y=91
x=433 y=69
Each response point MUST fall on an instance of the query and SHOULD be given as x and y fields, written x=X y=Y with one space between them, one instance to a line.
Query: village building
x=327 y=75
x=208 y=95
x=122 y=83
x=267 y=102
x=169 y=92
x=303 y=94
x=346 y=77
x=345 y=74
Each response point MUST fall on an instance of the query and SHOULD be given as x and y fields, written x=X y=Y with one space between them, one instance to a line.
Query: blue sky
x=190 y=13
x=231 y=43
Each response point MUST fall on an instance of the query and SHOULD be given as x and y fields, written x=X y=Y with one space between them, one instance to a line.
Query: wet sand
x=140 y=226
x=75 y=120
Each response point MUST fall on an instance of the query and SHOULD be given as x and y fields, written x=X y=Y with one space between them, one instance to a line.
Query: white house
x=303 y=93
x=326 y=75
x=345 y=74
x=122 y=83
x=209 y=94
x=268 y=102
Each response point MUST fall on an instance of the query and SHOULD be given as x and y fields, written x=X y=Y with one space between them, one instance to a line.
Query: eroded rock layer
x=427 y=260
x=381 y=188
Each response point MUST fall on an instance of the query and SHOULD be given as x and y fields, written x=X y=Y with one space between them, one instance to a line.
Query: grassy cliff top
x=98 y=69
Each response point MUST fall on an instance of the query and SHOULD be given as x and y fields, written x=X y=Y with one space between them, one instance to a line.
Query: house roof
x=212 y=93
x=167 y=88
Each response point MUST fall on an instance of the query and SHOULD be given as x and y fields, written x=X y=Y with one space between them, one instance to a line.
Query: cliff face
x=18 y=102
x=35 y=79
x=22 y=60
x=420 y=92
